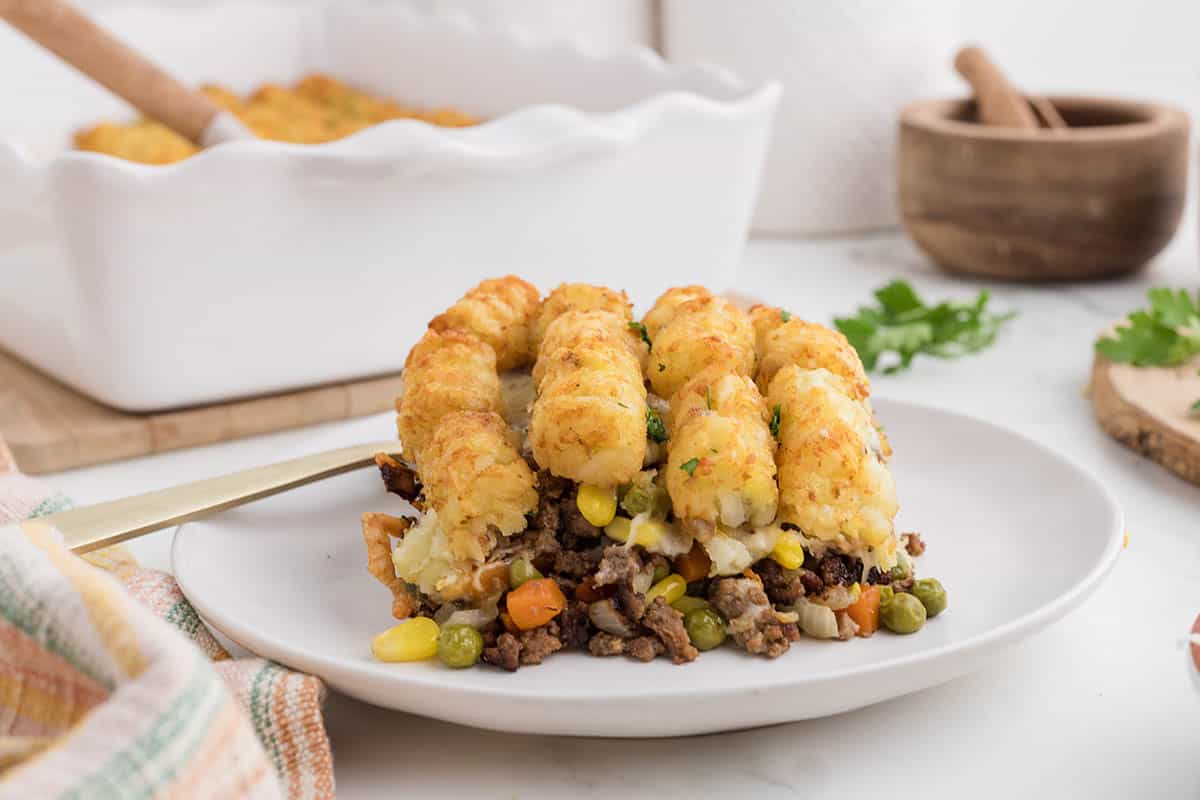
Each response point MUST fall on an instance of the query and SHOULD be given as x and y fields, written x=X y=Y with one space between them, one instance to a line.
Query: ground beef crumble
x=573 y=625
x=606 y=644
x=629 y=603
x=398 y=477
x=667 y=625
x=913 y=543
x=753 y=623
x=642 y=648
x=836 y=569
x=506 y=653
x=577 y=563
x=785 y=586
x=618 y=565
x=537 y=644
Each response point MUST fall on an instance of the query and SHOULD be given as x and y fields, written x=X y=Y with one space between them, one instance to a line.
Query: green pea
x=898 y=573
x=886 y=593
x=904 y=614
x=932 y=595
x=519 y=571
x=636 y=500
x=459 y=646
x=640 y=499
x=705 y=628
x=661 y=571
x=688 y=603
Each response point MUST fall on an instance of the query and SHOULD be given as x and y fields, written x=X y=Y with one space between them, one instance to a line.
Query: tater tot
x=578 y=297
x=806 y=344
x=577 y=329
x=477 y=482
x=663 y=310
x=706 y=331
x=589 y=419
x=500 y=312
x=721 y=456
x=444 y=373
x=146 y=142
x=765 y=319
x=833 y=482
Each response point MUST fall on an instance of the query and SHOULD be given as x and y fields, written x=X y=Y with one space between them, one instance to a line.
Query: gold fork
x=103 y=524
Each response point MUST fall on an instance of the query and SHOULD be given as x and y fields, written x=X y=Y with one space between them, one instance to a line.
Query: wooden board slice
x=1146 y=409
x=51 y=427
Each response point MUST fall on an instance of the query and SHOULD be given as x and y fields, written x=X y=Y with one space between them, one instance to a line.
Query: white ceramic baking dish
x=256 y=266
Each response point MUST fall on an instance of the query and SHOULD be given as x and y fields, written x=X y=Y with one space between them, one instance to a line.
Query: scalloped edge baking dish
x=257 y=267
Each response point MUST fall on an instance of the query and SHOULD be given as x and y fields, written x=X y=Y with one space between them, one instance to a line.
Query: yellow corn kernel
x=648 y=532
x=670 y=588
x=618 y=529
x=645 y=531
x=413 y=640
x=789 y=551
x=598 y=505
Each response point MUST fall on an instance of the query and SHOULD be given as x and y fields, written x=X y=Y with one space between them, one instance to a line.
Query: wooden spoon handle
x=1049 y=114
x=61 y=29
x=997 y=101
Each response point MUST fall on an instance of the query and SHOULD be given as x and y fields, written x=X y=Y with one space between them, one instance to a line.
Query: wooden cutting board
x=1147 y=409
x=50 y=427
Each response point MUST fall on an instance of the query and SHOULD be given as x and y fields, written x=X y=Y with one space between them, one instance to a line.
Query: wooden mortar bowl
x=1097 y=200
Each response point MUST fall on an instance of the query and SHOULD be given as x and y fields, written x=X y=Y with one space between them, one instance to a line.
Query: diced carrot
x=507 y=622
x=865 y=611
x=694 y=564
x=536 y=602
x=588 y=592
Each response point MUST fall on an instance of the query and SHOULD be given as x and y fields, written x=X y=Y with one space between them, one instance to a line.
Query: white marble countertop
x=1098 y=705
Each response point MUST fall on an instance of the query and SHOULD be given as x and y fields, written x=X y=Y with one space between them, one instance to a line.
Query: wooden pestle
x=997 y=101
x=64 y=31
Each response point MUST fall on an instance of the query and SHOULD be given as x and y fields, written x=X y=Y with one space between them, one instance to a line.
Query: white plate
x=1018 y=535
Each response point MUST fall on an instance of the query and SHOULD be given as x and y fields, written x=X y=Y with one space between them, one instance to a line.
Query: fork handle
x=57 y=26
x=92 y=527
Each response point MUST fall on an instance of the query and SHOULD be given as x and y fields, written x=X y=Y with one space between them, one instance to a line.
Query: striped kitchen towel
x=111 y=687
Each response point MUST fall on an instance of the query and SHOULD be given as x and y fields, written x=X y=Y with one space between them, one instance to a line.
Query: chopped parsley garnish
x=903 y=325
x=662 y=367
x=690 y=465
x=708 y=397
x=640 y=328
x=654 y=426
x=775 y=415
x=785 y=315
x=1164 y=335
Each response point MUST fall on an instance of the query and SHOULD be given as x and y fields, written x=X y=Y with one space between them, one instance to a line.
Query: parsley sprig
x=655 y=429
x=902 y=326
x=1164 y=335
x=638 y=327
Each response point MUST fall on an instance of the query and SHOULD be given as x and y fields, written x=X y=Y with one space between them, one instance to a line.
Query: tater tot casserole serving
x=583 y=479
